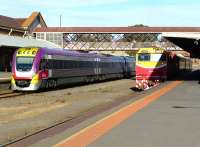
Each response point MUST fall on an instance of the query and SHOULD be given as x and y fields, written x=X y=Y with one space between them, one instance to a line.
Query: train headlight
x=12 y=80
x=35 y=79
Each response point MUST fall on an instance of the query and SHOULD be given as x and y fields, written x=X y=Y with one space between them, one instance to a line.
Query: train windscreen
x=158 y=57
x=24 y=63
x=144 y=57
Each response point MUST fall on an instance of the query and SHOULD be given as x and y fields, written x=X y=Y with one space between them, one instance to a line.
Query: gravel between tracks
x=23 y=115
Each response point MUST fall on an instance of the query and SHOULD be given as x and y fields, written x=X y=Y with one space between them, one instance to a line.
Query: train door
x=44 y=68
x=97 y=69
x=124 y=66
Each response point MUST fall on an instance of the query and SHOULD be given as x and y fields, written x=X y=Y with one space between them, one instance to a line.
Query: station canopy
x=189 y=41
x=186 y=35
x=14 y=41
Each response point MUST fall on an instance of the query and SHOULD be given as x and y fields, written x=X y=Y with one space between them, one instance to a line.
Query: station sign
x=27 y=51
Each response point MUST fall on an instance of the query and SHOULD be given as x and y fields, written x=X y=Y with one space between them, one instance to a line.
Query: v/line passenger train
x=40 y=68
x=154 y=65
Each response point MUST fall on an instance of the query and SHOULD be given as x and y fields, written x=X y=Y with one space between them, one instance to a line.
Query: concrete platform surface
x=171 y=121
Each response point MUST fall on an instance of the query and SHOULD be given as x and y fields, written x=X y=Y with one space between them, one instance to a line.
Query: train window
x=82 y=64
x=59 y=64
x=158 y=57
x=89 y=65
x=65 y=64
x=86 y=64
x=43 y=64
x=24 y=63
x=163 y=57
x=113 y=64
x=100 y=64
x=144 y=57
x=75 y=64
x=55 y=64
x=109 y=64
x=72 y=64
x=104 y=65
x=50 y=63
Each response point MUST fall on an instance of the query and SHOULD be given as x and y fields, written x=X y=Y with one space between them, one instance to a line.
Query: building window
x=56 y=38
x=40 y=36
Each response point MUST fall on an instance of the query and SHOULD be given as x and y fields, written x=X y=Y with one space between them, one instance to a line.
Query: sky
x=107 y=12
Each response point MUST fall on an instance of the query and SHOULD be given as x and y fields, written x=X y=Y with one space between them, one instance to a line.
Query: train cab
x=151 y=67
x=24 y=70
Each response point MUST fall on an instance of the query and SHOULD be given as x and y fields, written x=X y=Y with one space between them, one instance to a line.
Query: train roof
x=68 y=52
x=74 y=53
x=154 y=50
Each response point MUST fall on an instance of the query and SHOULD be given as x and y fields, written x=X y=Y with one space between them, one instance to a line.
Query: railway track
x=6 y=93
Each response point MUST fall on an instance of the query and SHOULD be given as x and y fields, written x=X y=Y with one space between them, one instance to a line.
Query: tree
x=138 y=25
x=131 y=53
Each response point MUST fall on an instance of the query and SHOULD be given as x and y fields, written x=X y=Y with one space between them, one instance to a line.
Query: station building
x=17 y=32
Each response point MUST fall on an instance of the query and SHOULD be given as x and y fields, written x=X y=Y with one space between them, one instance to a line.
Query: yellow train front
x=151 y=67
x=25 y=73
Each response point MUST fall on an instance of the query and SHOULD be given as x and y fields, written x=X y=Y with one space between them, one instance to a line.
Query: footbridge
x=109 y=38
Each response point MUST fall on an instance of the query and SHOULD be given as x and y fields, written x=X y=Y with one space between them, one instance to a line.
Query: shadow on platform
x=192 y=76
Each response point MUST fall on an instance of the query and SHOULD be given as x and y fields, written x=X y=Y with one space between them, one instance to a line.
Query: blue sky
x=108 y=12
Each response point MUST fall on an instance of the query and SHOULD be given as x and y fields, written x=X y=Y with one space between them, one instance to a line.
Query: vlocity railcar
x=40 y=68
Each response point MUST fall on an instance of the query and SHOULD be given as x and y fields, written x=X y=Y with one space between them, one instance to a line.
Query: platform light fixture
x=196 y=42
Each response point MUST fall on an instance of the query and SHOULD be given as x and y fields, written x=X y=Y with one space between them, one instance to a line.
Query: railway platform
x=165 y=116
x=5 y=77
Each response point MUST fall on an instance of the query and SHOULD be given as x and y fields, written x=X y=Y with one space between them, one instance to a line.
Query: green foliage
x=138 y=25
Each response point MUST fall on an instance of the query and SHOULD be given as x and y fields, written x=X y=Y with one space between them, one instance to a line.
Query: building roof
x=9 y=22
x=20 y=21
x=13 y=41
x=31 y=18
x=117 y=29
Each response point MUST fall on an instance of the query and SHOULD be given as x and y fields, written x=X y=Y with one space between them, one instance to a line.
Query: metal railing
x=118 y=46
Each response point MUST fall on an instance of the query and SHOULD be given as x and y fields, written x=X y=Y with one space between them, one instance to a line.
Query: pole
x=60 y=20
